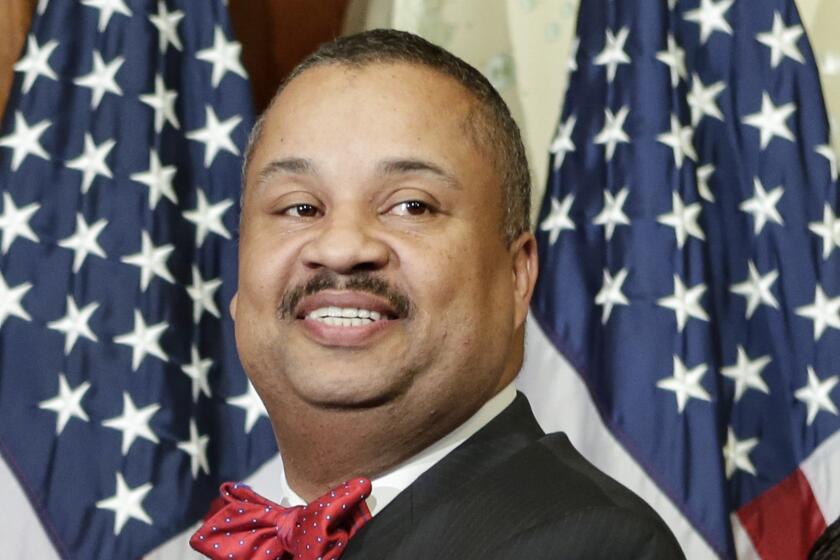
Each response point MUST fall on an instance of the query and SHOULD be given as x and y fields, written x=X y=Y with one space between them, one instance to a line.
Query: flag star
x=747 y=373
x=196 y=448
x=704 y=173
x=163 y=102
x=166 y=23
x=825 y=151
x=685 y=302
x=610 y=293
x=202 y=292
x=91 y=162
x=36 y=62
x=701 y=99
x=143 y=339
x=42 y=6
x=679 y=139
x=562 y=142
x=613 y=131
x=685 y=383
x=250 y=402
x=756 y=289
x=711 y=17
x=197 y=370
x=25 y=140
x=215 y=135
x=613 y=53
x=106 y=10
x=83 y=241
x=771 y=120
x=10 y=300
x=683 y=219
x=828 y=230
x=75 y=324
x=573 y=53
x=830 y=64
x=159 y=180
x=223 y=55
x=133 y=422
x=674 y=58
x=208 y=217
x=151 y=260
x=824 y=312
x=782 y=41
x=736 y=454
x=101 y=78
x=127 y=503
x=612 y=214
x=763 y=205
x=558 y=219
x=816 y=395
x=14 y=222
x=67 y=403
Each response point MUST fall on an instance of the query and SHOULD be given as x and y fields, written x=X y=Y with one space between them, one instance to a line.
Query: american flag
x=122 y=403
x=690 y=268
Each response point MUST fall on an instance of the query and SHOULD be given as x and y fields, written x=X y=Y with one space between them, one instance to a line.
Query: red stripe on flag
x=785 y=521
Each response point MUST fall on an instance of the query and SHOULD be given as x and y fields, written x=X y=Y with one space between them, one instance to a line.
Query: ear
x=523 y=253
x=232 y=307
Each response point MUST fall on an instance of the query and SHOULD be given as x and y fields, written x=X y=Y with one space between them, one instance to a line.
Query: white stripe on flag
x=20 y=528
x=743 y=543
x=561 y=402
x=820 y=469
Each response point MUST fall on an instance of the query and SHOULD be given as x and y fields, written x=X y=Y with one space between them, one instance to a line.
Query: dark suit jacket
x=512 y=492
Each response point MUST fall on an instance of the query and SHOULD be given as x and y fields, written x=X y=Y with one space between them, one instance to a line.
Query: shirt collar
x=389 y=484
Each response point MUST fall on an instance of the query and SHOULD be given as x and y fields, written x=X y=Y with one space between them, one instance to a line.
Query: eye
x=411 y=208
x=302 y=211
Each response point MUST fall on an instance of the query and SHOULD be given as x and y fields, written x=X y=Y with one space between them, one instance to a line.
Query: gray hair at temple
x=491 y=125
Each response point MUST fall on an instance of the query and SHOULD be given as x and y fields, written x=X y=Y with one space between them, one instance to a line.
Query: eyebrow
x=402 y=166
x=287 y=166
x=388 y=167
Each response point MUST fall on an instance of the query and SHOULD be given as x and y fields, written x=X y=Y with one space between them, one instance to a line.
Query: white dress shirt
x=387 y=485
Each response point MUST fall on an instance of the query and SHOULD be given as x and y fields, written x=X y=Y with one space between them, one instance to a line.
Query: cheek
x=265 y=266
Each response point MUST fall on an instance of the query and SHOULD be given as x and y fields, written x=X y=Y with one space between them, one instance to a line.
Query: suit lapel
x=511 y=431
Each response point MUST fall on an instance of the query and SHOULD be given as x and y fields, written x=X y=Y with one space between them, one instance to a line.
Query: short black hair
x=491 y=125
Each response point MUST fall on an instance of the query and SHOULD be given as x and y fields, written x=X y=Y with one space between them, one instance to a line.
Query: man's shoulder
x=547 y=498
x=511 y=492
x=550 y=477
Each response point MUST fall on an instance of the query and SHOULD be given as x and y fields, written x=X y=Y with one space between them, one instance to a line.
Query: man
x=386 y=267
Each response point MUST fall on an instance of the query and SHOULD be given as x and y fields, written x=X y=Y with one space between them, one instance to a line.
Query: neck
x=371 y=440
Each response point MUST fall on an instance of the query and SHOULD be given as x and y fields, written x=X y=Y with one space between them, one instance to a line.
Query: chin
x=339 y=389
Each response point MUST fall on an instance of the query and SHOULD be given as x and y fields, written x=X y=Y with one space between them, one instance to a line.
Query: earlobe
x=525 y=269
x=232 y=307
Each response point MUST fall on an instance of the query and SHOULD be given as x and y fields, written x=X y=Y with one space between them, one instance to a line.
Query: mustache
x=359 y=281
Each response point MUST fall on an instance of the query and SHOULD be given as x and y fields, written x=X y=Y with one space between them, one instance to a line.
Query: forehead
x=335 y=108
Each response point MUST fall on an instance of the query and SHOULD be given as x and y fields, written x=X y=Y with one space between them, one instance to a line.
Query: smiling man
x=385 y=271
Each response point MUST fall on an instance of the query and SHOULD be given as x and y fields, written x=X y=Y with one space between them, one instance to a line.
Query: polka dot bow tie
x=250 y=526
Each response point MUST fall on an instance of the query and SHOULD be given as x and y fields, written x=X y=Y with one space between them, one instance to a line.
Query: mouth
x=346 y=318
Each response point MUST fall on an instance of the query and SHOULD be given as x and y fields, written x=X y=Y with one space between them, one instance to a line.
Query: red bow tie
x=250 y=526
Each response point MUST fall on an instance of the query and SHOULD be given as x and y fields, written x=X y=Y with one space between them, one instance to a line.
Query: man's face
x=372 y=266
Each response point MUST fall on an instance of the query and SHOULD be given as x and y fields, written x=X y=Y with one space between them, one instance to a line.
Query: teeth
x=344 y=316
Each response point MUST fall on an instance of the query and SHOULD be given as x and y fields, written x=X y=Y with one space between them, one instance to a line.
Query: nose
x=346 y=242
